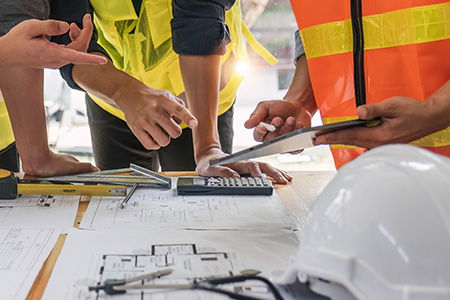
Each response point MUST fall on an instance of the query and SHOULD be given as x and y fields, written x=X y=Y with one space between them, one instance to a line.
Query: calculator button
x=244 y=181
x=251 y=181
x=212 y=181
x=266 y=182
x=258 y=181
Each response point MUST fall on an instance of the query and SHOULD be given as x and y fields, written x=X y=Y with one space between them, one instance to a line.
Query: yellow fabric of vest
x=409 y=26
x=141 y=46
x=6 y=132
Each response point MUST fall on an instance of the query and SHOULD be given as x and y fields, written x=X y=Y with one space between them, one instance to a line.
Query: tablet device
x=291 y=141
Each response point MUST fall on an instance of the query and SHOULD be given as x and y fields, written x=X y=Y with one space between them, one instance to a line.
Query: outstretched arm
x=151 y=114
x=403 y=120
x=22 y=89
x=200 y=58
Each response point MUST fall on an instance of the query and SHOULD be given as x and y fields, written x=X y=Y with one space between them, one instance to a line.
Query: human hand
x=286 y=116
x=56 y=164
x=235 y=170
x=26 y=45
x=153 y=116
x=403 y=120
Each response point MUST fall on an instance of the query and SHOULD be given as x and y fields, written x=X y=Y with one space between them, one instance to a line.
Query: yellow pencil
x=71 y=189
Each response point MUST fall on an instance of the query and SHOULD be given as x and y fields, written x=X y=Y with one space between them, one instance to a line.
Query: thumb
x=258 y=115
x=48 y=27
x=252 y=121
x=369 y=111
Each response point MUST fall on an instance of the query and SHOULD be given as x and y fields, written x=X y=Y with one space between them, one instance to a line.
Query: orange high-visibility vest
x=405 y=50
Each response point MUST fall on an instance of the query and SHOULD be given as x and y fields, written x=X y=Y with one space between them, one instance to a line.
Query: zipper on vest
x=358 y=52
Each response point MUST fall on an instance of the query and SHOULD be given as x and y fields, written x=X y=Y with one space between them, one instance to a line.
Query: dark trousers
x=115 y=146
x=9 y=158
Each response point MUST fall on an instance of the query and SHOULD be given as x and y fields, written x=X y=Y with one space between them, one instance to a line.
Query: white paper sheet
x=34 y=211
x=23 y=252
x=89 y=257
x=150 y=208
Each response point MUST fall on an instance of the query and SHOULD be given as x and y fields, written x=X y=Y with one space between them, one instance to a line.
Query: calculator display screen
x=199 y=181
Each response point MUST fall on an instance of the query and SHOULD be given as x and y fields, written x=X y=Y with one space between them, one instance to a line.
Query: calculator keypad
x=224 y=186
x=239 y=182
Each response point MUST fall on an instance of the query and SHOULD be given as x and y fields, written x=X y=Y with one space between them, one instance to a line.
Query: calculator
x=224 y=186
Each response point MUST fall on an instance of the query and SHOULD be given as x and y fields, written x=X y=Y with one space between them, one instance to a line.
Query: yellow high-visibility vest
x=141 y=46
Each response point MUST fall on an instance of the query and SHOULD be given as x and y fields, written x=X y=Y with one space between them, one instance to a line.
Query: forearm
x=105 y=82
x=3 y=52
x=11 y=52
x=440 y=103
x=201 y=80
x=23 y=92
x=300 y=91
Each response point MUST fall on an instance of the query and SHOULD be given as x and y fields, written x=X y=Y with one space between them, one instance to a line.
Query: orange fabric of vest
x=415 y=70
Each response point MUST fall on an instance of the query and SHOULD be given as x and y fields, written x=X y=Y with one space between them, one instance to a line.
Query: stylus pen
x=269 y=127
x=125 y=200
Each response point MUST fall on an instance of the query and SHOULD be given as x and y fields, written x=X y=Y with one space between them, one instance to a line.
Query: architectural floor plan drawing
x=39 y=211
x=150 y=208
x=24 y=250
x=90 y=257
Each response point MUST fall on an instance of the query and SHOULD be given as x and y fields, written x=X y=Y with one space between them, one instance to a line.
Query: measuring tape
x=11 y=186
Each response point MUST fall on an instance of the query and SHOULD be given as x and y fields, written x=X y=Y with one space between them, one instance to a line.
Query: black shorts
x=9 y=158
x=115 y=146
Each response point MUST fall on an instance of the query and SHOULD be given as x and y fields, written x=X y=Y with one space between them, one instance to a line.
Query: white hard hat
x=381 y=229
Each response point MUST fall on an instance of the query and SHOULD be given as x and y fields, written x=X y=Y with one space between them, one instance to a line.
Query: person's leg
x=113 y=143
x=9 y=158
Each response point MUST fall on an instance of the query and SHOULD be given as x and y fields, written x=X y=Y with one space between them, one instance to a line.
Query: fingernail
x=192 y=123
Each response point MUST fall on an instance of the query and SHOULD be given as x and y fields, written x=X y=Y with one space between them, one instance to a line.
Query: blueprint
x=34 y=211
x=23 y=251
x=90 y=257
x=150 y=208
